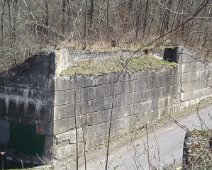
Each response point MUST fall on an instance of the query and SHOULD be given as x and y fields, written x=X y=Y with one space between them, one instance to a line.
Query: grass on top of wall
x=116 y=64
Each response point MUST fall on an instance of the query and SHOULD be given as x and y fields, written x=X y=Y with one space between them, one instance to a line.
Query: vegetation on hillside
x=27 y=26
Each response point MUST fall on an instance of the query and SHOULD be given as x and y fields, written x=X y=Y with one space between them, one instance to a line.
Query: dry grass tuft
x=116 y=64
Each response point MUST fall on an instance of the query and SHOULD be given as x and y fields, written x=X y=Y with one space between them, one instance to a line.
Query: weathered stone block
x=193 y=67
x=163 y=102
x=80 y=108
x=107 y=90
x=154 y=104
x=113 y=77
x=164 y=111
x=137 y=75
x=206 y=92
x=191 y=95
x=100 y=92
x=151 y=115
x=146 y=95
x=116 y=125
x=89 y=93
x=90 y=106
x=120 y=100
x=64 y=97
x=142 y=84
x=107 y=102
x=100 y=140
x=63 y=111
x=82 y=81
x=155 y=93
x=188 y=103
x=153 y=82
x=130 y=86
x=209 y=82
x=133 y=120
x=61 y=126
x=118 y=112
x=65 y=152
x=145 y=106
x=64 y=83
x=138 y=97
x=129 y=98
x=193 y=76
x=112 y=89
x=90 y=132
x=70 y=136
x=174 y=89
x=209 y=72
x=167 y=80
x=142 y=75
x=119 y=88
x=129 y=110
x=193 y=85
x=99 y=117
x=102 y=129
x=100 y=80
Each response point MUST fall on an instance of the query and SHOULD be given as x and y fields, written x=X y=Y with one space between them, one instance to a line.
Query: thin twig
x=109 y=131
x=201 y=121
x=179 y=124
x=84 y=140
x=75 y=119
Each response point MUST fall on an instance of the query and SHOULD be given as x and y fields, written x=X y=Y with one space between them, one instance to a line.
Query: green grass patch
x=116 y=64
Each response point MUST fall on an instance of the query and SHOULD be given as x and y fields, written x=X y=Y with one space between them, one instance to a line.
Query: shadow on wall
x=25 y=96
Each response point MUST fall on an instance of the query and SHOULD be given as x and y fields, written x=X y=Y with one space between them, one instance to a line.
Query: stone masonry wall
x=139 y=98
x=34 y=93
x=26 y=100
x=195 y=78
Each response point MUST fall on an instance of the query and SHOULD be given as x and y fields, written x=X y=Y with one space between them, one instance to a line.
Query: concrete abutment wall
x=139 y=98
x=84 y=102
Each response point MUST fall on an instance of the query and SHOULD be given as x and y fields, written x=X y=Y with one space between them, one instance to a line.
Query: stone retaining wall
x=195 y=78
x=139 y=98
x=82 y=104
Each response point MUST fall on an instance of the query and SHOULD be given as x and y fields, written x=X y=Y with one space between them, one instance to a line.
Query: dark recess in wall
x=171 y=55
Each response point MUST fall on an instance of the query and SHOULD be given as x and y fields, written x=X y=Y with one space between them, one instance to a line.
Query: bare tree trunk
x=63 y=17
x=165 y=18
x=14 y=22
x=91 y=12
x=167 y=15
x=145 y=16
x=137 y=6
x=175 y=15
x=9 y=22
x=69 y=15
x=107 y=17
x=180 y=18
x=47 y=18
x=2 y=23
x=85 y=25
x=2 y=27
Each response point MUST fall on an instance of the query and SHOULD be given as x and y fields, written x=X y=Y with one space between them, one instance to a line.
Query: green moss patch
x=117 y=64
